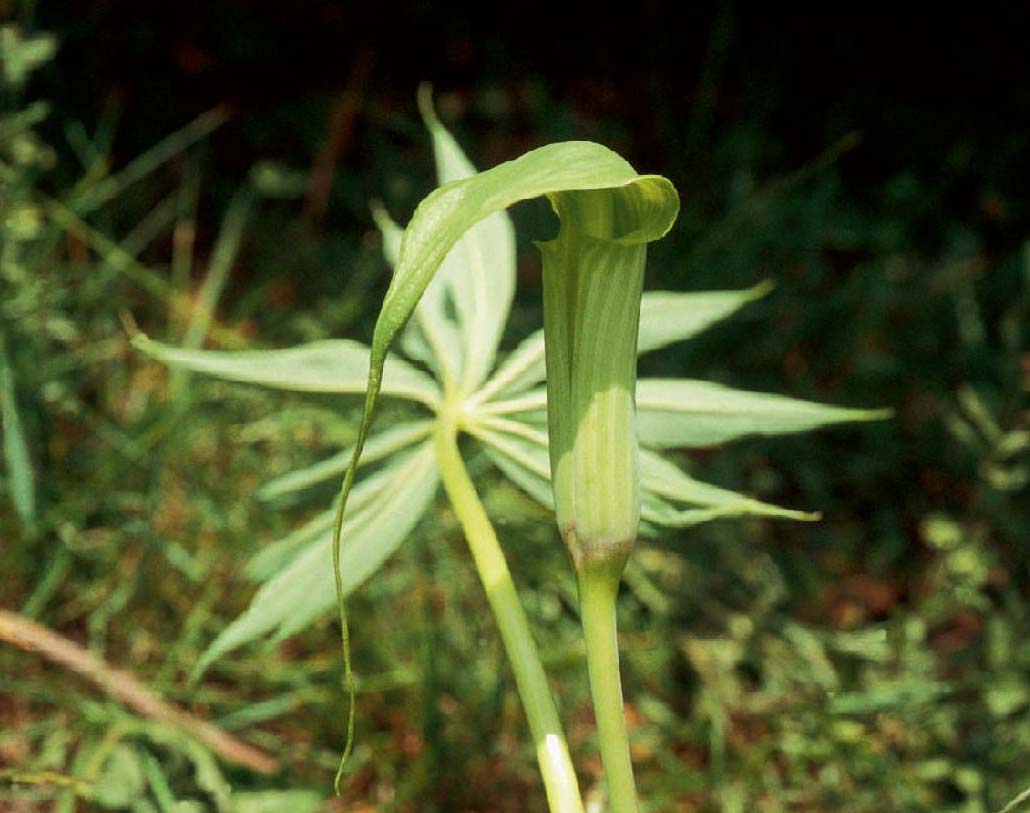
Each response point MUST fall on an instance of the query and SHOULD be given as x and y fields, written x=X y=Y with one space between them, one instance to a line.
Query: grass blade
x=20 y=477
x=222 y=259
x=137 y=169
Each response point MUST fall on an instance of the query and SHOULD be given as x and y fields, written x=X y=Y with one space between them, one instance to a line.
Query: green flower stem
x=552 y=750
x=598 y=588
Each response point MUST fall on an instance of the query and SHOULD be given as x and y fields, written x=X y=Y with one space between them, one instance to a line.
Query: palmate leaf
x=479 y=272
x=388 y=505
x=666 y=317
x=459 y=319
x=664 y=483
x=685 y=413
x=519 y=468
x=332 y=366
x=521 y=454
x=274 y=556
x=680 y=413
x=386 y=443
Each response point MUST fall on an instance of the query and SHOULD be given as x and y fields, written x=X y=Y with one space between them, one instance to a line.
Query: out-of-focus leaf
x=223 y=257
x=206 y=773
x=379 y=446
x=681 y=412
x=275 y=180
x=20 y=55
x=303 y=589
x=91 y=196
x=20 y=479
x=905 y=693
x=276 y=555
x=160 y=789
x=181 y=806
x=335 y=366
x=275 y=801
x=391 y=232
x=122 y=779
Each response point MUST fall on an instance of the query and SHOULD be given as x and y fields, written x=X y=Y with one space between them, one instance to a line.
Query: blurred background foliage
x=205 y=171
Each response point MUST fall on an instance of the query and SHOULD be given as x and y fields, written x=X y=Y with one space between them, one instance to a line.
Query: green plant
x=69 y=265
x=53 y=303
x=23 y=158
x=454 y=277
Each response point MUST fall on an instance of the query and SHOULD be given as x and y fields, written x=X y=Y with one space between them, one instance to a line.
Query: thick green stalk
x=552 y=751
x=598 y=588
